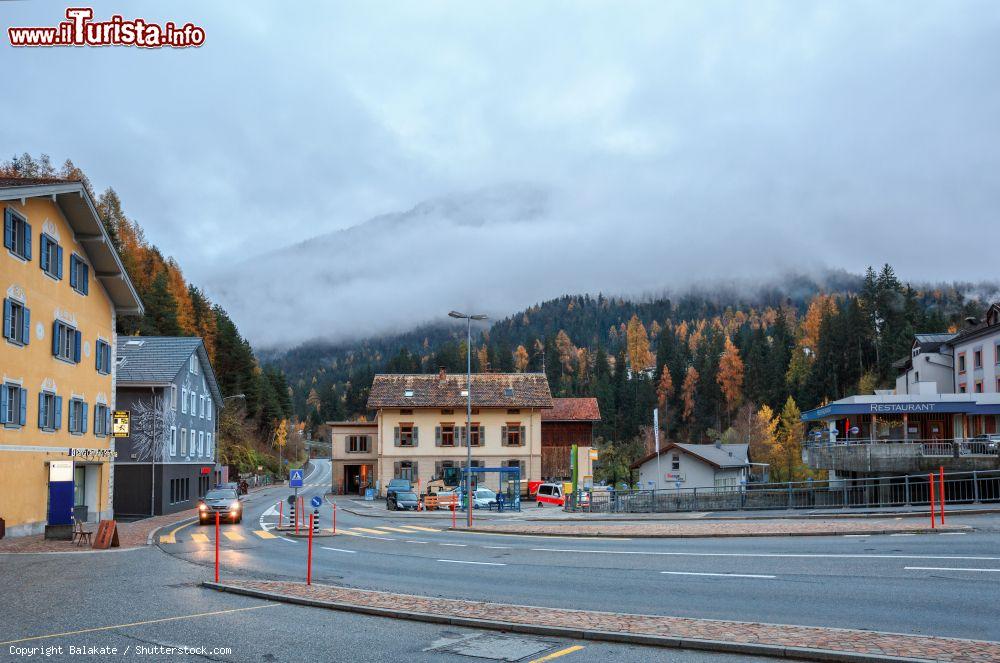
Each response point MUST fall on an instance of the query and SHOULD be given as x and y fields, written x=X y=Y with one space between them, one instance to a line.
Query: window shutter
x=59 y=262
x=58 y=412
x=107 y=358
x=78 y=337
x=43 y=262
x=24 y=407
x=437 y=436
x=27 y=241
x=72 y=271
x=8 y=230
x=55 y=338
x=41 y=410
x=26 y=325
x=85 y=272
x=71 y=420
x=416 y=439
x=83 y=418
x=460 y=436
x=503 y=436
x=395 y=441
x=98 y=351
x=524 y=437
x=97 y=418
x=107 y=422
x=395 y=470
x=4 y=402
x=6 y=317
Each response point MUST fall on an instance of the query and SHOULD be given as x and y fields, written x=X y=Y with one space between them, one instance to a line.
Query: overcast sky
x=671 y=141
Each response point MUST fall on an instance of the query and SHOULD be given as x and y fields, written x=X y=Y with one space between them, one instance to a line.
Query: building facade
x=169 y=388
x=354 y=456
x=421 y=424
x=977 y=359
x=570 y=421
x=63 y=286
x=930 y=368
x=710 y=466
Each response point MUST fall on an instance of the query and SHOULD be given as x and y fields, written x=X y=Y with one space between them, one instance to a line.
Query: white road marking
x=456 y=545
x=497 y=547
x=942 y=568
x=856 y=536
x=720 y=575
x=789 y=555
x=338 y=550
x=287 y=539
x=416 y=542
x=952 y=534
x=902 y=535
x=459 y=561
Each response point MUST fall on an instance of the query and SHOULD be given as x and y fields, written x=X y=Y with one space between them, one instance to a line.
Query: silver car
x=223 y=501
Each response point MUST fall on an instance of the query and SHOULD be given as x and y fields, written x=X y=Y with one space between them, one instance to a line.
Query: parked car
x=484 y=498
x=550 y=493
x=402 y=501
x=398 y=485
x=984 y=444
x=224 y=501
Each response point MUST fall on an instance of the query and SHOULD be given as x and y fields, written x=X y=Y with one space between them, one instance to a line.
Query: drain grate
x=492 y=646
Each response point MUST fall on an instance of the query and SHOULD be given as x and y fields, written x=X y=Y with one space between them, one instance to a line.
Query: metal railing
x=891 y=491
x=986 y=445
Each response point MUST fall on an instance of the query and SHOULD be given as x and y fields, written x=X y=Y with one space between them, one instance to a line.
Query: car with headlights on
x=223 y=501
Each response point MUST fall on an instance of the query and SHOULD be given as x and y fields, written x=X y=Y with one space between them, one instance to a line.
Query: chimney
x=718 y=444
x=442 y=374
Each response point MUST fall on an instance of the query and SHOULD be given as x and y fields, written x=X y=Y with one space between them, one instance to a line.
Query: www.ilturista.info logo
x=80 y=30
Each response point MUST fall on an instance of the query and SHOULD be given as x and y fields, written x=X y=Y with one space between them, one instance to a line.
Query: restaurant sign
x=92 y=454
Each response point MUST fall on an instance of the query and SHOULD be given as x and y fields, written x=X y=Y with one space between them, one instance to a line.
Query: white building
x=718 y=465
x=977 y=355
x=930 y=367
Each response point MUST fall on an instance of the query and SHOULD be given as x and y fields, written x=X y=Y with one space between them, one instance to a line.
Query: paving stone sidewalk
x=804 y=642
x=718 y=528
x=130 y=535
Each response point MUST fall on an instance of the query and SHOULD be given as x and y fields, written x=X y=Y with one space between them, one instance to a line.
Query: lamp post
x=468 y=410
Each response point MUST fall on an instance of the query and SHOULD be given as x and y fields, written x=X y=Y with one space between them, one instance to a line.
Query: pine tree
x=161 y=310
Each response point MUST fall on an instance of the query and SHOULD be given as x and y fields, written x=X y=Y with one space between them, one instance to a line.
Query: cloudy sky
x=641 y=146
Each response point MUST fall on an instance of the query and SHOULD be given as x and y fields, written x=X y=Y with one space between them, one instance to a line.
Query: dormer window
x=407 y=393
x=508 y=393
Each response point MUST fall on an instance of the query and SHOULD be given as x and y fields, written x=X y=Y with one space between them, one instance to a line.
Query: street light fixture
x=468 y=410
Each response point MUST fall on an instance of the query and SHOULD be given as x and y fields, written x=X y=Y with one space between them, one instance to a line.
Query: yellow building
x=63 y=285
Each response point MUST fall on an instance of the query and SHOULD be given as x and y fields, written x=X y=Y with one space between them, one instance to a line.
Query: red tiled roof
x=573 y=409
x=512 y=390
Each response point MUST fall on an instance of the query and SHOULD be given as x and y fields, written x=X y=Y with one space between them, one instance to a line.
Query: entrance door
x=935 y=430
x=80 y=493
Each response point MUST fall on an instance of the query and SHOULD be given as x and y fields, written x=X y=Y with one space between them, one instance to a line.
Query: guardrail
x=878 y=492
x=932 y=448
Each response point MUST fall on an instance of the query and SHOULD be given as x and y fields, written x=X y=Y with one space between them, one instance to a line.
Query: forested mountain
x=724 y=362
x=175 y=307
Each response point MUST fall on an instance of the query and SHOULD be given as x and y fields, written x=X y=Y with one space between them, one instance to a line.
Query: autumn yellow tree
x=688 y=389
x=665 y=387
x=521 y=359
x=637 y=342
x=730 y=376
x=786 y=463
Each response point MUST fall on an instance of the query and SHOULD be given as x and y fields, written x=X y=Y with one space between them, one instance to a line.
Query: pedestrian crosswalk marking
x=233 y=536
x=391 y=529
x=366 y=530
x=419 y=529
x=168 y=538
x=349 y=533
x=264 y=534
x=199 y=537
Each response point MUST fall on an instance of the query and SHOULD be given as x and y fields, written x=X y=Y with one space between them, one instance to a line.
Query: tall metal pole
x=468 y=423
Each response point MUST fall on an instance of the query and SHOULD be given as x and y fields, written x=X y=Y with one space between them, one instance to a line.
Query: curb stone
x=710 y=535
x=671 y=642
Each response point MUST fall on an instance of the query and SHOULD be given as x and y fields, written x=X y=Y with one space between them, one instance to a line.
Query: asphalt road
x=922 y=584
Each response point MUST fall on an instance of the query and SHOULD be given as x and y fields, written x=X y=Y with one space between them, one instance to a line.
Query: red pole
x=334 y=517
x=281 y=512
x=941 y=492
x=309 y=564
x=930 y=477
x=453 y=513
x=298 y=510
x=216 y=546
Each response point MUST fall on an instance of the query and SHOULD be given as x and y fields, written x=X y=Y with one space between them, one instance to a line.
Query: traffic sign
x=295 y=478
x=120 y=423
x=316 y=501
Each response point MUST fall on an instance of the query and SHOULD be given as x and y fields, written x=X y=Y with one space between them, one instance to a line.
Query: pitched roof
x=573 y=409
x=156 y=360
x=989 y=325
x=720 y=456
x=530 y=390
x=76 y=205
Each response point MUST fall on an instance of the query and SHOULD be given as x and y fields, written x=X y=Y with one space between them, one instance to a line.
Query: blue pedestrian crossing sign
x=295 y=478
x=316 y=502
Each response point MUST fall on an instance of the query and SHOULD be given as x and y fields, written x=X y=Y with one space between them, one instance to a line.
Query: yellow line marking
x=367 y=531
x=148 y=621
x=199 y=537
x=557 y=654
x=233 y=536
x=391 y=529
x=171 y=538
x=348 y=533
x=419 y=529
x=167 y=538
x=264 y=534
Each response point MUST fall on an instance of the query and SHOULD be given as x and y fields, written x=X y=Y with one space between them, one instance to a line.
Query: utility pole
x=468 y=411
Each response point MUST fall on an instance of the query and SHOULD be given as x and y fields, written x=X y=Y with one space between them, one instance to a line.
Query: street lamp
x=468 y=410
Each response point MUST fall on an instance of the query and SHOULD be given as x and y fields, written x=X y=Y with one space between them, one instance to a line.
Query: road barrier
x=976 y=487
